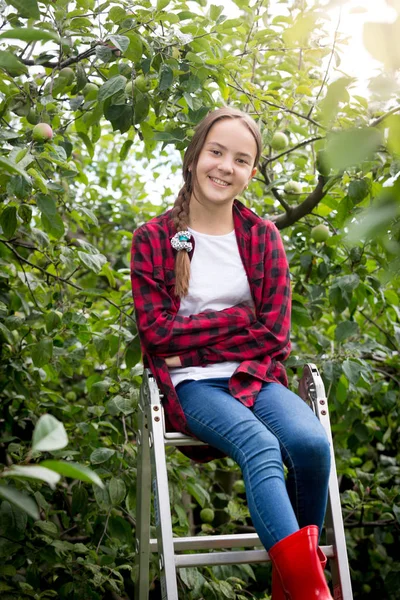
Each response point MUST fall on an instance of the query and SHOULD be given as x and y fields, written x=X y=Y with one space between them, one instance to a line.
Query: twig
x=104 y=531
x=77 y=287
x=382 y=523
x=382 y=117
x=328 y=67
x=299 y=145
x=279 y=107
x=385 y=333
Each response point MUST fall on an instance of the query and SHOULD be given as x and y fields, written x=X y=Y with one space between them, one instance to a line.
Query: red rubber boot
x=298 y=566
x=277 y=589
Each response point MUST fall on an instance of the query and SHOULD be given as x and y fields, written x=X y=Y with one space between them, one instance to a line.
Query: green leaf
x=30 y=34
x=352 y=370
x=345 y=330
x=111 y=87
x=120 y=41
x=79 y=499
x=93 y=261
x=8 y=221
x=11 y=64
x=6 y=334
x=42 y=352
x=135 y=49
x=125 y=149
x=215 y=11
x=13 y=521
x=49 y=434
x=73 y=470
x=33 y=472
x=89 y=213
x=20 y=500
x=52 y=320
x=102 y=497
x=11 y=167
x=133 y=353
x=116 y=14
x=117 y=490
x=351 y=147
x=166 y=78
x=101 y=455
x=358 y=190
x=88 y=143
x=141 y=106
x=161 y=4
x=201 y=496
x=38 y=180
x=119 y=404
x=49 y=528
x=28 y=9
x=300 y=316
x=51 y=220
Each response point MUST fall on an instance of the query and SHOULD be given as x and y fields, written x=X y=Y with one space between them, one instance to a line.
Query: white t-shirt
x=217 y=281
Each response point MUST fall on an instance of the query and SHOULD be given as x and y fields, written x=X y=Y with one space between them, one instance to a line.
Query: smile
x=219 y=181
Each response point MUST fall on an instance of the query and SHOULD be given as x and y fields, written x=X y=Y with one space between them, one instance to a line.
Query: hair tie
x=180 y=241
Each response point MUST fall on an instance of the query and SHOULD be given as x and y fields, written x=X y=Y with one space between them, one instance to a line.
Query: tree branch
x=382 y=117
x=328 y=67
x=299 y=145
x=385 y=333
x=295 y=213
x=74 y=285
x=279 y=107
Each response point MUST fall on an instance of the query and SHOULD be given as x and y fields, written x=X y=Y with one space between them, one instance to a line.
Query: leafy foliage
x=122 y=85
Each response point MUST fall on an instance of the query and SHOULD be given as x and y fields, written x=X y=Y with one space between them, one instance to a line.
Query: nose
x=226 y=164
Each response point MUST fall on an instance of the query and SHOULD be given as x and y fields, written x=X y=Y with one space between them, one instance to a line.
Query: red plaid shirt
x=260 y=340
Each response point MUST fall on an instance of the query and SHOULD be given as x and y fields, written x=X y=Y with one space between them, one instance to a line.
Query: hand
x=173 y=361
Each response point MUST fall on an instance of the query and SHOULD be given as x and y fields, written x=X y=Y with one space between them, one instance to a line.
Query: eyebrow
x=224 y=148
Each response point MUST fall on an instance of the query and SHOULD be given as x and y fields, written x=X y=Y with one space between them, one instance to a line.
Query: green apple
x=71 y=395
x=320 y=233
x=239 y=486
x=42 y=132
x=90 y=91
x=292 y=189
x=32 y=117
x=207 y=515
x=279 y=141
x=322 y=163
x=67 y=74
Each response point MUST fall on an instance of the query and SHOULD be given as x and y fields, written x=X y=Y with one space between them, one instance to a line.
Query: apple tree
x=98 y=100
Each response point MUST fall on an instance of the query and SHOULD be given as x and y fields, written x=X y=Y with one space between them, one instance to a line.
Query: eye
x=243 y=161
x=216 y=152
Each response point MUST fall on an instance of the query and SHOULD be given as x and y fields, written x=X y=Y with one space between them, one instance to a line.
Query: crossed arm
x=235 y=333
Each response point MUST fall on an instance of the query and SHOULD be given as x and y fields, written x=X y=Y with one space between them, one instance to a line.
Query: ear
x=254 y=171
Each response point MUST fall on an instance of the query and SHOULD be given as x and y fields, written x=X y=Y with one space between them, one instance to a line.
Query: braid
x=180 y=215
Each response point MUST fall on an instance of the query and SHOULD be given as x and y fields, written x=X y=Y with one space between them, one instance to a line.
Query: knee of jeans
x=314 y=449
x=264 y=448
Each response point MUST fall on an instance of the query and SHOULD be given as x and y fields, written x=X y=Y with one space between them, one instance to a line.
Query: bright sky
x=356 y=61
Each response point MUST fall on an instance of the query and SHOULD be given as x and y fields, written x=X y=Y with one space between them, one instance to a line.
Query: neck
x=211 y=219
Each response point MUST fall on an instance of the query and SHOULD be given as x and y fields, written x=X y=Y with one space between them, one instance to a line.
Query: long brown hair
x=180 y=211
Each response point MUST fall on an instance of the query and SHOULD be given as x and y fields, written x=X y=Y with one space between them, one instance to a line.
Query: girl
x=211 y=288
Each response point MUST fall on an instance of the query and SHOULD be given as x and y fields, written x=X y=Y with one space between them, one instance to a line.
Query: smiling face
x=226 y=163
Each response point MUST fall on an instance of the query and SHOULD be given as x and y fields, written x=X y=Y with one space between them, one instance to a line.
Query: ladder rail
x=312 y=390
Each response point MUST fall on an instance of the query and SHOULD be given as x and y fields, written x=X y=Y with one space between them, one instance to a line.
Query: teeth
x=219 y=181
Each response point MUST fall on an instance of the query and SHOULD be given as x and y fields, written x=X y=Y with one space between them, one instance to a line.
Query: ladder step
x=230 y=558
x=180 y=439
x=204 y=542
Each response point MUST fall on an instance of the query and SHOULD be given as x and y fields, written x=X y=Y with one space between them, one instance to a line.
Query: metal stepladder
x=152 y=473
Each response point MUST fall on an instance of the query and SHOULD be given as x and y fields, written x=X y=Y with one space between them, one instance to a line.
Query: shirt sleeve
x=162 y=331
x=270 y=333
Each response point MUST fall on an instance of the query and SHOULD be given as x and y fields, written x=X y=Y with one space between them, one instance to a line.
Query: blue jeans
x=279 y=428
